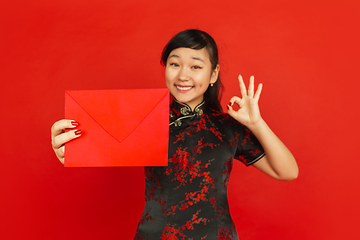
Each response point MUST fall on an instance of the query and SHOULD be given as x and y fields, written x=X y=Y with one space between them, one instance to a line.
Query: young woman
x=188 y=198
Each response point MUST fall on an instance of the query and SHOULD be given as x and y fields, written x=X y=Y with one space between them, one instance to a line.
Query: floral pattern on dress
x=188 y=198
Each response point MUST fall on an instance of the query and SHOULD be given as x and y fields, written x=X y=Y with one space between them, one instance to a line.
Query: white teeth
x=183 y=88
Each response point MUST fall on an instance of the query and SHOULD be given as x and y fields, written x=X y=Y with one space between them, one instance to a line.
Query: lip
x=182 y=88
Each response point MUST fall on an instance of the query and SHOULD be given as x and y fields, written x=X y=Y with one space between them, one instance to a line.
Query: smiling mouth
x=183 y=88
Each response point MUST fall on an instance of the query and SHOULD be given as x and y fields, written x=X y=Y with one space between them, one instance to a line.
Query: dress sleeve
x=249 y=149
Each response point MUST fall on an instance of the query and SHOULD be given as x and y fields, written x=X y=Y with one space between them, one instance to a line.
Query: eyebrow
x=195 y=58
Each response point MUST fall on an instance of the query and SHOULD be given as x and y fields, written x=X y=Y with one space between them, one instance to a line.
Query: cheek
x=203 y=80
x=170 y=75
x=168 y=79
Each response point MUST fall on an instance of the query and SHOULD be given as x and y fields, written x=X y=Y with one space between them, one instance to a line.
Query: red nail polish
x=74 y=123
x=227 y=106
x=230 y=104
x=78 y=132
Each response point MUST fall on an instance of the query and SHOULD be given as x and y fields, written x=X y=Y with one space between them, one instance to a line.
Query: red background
x=305 y=52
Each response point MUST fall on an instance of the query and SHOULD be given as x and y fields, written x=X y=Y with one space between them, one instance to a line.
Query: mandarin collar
x=186 y=109
x=180 y=111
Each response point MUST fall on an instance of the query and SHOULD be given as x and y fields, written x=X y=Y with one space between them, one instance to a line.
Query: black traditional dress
x=188 y=198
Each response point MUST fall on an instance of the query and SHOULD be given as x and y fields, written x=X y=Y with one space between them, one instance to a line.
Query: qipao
x=188 y=198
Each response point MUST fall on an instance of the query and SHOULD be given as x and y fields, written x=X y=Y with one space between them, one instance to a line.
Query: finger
x=258 y=91
x=251 y=87
x=230 y=107
x=65 y=137
x=242 y=86
x=60 y=126
x=233 y=100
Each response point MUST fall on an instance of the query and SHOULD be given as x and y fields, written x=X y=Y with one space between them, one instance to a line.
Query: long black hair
x=197 y=39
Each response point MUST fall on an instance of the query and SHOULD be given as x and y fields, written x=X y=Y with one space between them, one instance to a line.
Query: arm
x=278 y=162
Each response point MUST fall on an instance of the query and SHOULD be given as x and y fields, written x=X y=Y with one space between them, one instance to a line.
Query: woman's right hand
x=59 y=137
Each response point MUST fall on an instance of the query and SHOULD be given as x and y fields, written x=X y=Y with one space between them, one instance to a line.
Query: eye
x=196 y=67
x=174 y=64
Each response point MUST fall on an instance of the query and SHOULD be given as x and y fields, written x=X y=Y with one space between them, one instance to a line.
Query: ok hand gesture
x=248 y=113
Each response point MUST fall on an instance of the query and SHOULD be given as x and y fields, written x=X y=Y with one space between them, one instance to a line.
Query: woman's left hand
x=248 y=112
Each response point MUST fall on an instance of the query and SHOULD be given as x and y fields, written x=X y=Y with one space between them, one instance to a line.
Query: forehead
x=192 y=54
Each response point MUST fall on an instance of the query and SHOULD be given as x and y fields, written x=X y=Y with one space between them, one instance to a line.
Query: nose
x=183 y=74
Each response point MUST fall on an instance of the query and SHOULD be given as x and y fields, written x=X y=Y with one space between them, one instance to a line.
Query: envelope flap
x=114 y=109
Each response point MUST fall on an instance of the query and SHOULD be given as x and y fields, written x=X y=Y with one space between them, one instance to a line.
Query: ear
x=215 y=74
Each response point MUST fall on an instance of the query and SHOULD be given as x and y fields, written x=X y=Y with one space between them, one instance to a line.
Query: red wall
x=305 y=53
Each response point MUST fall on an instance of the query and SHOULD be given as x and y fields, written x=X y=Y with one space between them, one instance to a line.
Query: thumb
x=231 y=111
x=230 y=106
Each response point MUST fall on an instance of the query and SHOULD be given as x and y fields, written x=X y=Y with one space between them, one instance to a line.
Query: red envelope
x=119 y=127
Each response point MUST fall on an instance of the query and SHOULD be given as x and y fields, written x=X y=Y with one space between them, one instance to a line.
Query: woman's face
x=188 y=74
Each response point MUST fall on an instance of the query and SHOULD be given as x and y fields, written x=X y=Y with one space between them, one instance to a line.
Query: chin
x=181 y=99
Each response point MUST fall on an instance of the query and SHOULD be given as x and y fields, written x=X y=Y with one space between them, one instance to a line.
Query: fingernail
x=227 y=106
x=74 y=123
x=230 y=104
x=78 y=132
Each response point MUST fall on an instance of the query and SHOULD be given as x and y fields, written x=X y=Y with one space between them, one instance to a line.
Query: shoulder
x=221 y=117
